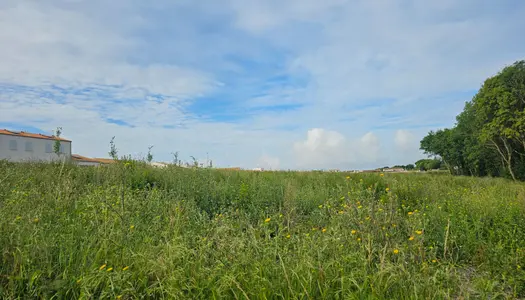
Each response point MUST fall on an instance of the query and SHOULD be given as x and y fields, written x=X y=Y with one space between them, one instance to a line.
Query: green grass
x=129 y=231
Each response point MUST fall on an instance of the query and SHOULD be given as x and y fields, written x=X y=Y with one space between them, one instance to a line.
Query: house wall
x=86 y=163
x=38 y=151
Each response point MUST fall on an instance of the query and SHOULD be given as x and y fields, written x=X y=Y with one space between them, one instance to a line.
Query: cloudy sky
x=280 y=84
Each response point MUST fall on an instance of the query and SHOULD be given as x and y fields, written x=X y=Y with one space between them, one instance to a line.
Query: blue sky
x=295 y=84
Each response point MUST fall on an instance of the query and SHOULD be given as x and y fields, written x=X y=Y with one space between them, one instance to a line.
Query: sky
x=294 y=84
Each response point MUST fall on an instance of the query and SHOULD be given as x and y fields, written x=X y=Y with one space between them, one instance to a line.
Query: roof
x=79 y=157
x=82 y=158
x=104 y=160
x=32 y=135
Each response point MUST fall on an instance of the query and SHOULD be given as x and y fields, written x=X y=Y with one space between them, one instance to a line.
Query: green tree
x=149 y=157
x=56 y=146
x=500 y=113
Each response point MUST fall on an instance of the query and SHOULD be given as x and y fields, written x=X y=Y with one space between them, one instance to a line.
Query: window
x=62 y=148
x=49 y=148
x=13 y=145
x=29 y=146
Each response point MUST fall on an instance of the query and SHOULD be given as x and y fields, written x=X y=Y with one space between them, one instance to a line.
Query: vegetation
x=131 y=231
x=489 y=136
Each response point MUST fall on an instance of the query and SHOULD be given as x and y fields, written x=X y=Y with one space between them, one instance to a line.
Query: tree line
x=488 y=138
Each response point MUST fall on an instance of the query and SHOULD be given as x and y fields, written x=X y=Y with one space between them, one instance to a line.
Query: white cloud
x=330 y=149
x=404 y=140
x=269 y=162
x=49 y=44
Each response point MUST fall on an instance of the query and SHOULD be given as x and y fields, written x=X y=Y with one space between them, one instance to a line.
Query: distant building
x=394 y=170
x=85 y=161
x=19 y=146
x=158 y=164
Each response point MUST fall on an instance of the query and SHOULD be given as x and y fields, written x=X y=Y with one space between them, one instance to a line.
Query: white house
x=21 y=146
x=84 y=161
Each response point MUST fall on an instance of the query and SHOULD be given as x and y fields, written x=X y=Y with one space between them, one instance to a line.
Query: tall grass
x=129 y=231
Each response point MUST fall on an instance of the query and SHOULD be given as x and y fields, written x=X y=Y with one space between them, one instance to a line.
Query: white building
x=21 y=146
x=84 y=161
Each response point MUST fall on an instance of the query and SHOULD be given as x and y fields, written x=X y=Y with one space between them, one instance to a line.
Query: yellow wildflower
x=109 y=270
x=125 y=268
x=387 y=189
x=419 y=231
x=288 y=236
x=132 y=227
x=267 y=220
x=324 y=230
x=381 y=174
x=102 y=267
x=347 y=177
x=410 y=213
x=434 y=261
x=396 y=251
x=119 y=297
x=411 y=238
x=358 y=239
x=341 y=212
x=18 y=218
x=36 y=220
x=320 y=206
x=360 y=206
x=353 y=232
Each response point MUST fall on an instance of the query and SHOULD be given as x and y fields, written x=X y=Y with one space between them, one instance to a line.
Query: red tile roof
x=82 y=158
x=31 y=135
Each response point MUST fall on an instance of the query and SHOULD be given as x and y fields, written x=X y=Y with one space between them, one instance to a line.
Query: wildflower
x=324 y=230
x=410 y=213
x=387 y=189
x=288 y=236
x=125 y=268
x=109 y=270
x=341 y=212
x=320 y=206
x=381 y=174
x=411 y=238
x=394 y=225
x=102 y=267
x=280 y=215
x=518 y=267
x=132 y=227
x=314 y=229
x=419 y=231
x=347 y=177
x=36 y=220
x=267 y=220
x=18 y=218
x=396 y=251
x=119 y=297
x=434 y=261
x=360 y=206
x=353 y=231
x=358 y=239
x=368 y=218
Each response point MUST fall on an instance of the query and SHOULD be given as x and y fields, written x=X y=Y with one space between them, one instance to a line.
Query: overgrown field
x=129 y=231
